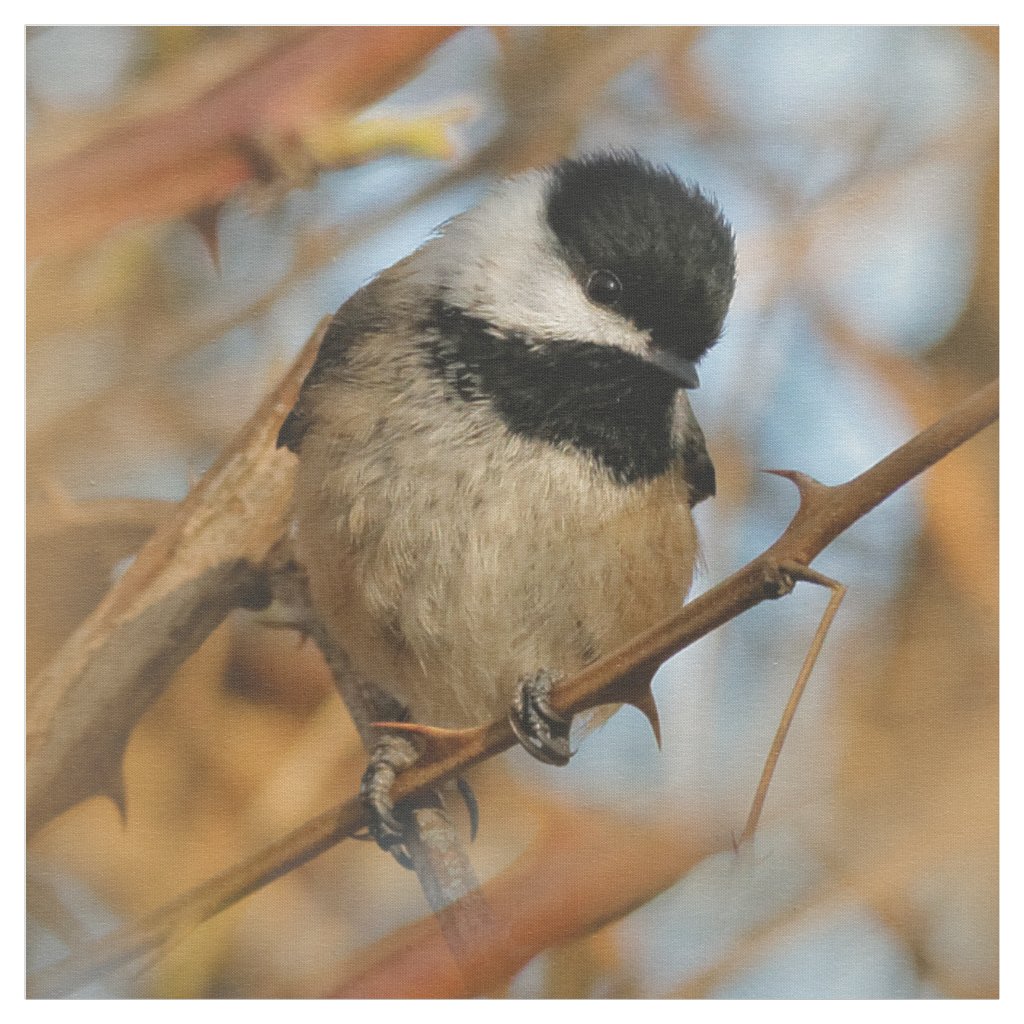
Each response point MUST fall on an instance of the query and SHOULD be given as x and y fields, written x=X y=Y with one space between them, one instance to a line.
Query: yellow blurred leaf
x=339 y=141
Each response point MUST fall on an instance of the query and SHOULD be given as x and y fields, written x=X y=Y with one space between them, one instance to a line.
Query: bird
x=497 y=458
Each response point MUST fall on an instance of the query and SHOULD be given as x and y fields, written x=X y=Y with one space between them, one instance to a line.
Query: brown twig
x=796 y=572
x=622 y=677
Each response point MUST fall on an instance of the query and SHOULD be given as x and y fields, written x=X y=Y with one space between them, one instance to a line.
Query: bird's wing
x=698 y=469
x=338 y=337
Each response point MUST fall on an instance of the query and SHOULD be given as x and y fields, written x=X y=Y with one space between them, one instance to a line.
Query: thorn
x=805 y=484
x=436 y=743
x=644 y=703
x=804 y=573
x=264 y=155
x=206 y=221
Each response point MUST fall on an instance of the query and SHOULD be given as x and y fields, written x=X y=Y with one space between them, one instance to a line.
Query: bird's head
x=604 y=249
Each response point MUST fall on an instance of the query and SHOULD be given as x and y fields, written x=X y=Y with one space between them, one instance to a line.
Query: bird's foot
x=472 y=807
x=387 y=823
x=538 y=727
x=390 y=822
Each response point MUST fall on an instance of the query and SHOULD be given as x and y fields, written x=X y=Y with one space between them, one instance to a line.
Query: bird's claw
x=539 y=728
x=472 y=807
x=389 y=823
x=389 y=757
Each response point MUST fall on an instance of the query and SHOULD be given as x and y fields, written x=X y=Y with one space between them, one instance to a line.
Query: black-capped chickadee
x=497 y=456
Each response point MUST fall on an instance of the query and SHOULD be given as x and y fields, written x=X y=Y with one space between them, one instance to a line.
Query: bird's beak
x=682 y=369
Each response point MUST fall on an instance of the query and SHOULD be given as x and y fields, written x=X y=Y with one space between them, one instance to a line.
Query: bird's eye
x=604 y=287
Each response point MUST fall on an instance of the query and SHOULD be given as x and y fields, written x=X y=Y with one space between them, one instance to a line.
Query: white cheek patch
x=500 y=262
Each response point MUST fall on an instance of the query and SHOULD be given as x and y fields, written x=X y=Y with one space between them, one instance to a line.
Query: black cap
x=667 y=243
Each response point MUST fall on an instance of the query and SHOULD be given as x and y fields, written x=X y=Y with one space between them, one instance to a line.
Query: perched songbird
x=498 y=460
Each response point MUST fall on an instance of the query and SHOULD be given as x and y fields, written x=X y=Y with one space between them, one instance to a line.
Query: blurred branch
x=174 y=163
x=550 y=78
x=961 y=528
x=184 y=63
x=168 y=338
x=81 y=752
x=57 y=513
x=174 y=333
x=82 y=707
x=984 y=36
x=934 y=837
x=580 y=873
x=622 y=677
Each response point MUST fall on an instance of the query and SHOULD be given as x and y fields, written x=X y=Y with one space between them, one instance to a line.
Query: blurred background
x=198 y=198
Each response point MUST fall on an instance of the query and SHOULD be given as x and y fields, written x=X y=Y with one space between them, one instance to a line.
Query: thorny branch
x=622 y=677
x=181 y=160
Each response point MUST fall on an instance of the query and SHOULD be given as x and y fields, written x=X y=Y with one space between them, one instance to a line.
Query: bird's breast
x=454 y=563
